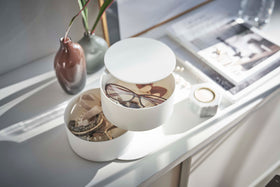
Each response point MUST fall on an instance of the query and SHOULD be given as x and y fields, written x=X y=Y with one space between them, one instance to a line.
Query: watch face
x=87 y=127
x=204 y=95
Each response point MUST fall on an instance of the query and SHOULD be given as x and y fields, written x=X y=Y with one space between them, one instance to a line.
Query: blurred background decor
x=256 y=12
x=94 y=46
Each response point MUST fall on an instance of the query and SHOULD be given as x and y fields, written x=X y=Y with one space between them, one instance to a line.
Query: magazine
x=239 y=54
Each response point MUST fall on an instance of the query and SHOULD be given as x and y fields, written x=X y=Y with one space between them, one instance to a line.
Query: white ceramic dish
x=96 y=151
x=140 y=60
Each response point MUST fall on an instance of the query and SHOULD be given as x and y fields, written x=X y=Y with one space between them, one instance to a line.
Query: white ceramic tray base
x=143 y=143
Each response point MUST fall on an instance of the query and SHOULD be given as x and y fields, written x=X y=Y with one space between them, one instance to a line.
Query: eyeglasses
x=126 y=97
x=152 y=90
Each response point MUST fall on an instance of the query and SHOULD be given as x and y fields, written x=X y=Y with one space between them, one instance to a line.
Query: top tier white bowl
x=138 y=61
x=136 y=119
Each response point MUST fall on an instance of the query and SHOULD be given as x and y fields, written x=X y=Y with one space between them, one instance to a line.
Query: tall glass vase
x=94 y=48
x=70 y=66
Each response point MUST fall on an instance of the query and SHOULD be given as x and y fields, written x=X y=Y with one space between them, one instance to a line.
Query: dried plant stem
x=84 y=14
x=72 y=20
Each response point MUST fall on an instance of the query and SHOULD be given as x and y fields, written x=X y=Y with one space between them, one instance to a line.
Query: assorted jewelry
x=88 y=121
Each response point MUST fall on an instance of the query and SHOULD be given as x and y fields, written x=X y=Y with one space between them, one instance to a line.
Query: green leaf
x=102 y=9
x=82 y=3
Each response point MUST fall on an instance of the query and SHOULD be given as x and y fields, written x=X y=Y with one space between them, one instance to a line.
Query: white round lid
x=140 y=60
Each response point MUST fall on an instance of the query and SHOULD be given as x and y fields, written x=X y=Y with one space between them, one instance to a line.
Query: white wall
x=31 y=29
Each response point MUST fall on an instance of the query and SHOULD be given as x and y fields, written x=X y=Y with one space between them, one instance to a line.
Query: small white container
x=204 y=99
x=95 y=151
x=138 y=61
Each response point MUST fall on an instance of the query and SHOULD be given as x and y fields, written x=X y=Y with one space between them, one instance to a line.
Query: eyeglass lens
x=128 y=98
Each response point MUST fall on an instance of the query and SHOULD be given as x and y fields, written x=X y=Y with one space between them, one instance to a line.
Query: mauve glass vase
x=94 y=48
x=70 y=66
